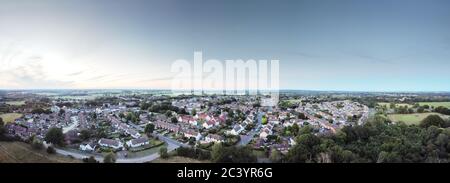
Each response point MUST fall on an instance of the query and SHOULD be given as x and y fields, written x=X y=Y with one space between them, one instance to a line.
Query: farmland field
x=397 y=105
x=436 y=104
x=19 y=152
x=179 y=159
x=412 y=119
x=10 y=117
x=16 y=103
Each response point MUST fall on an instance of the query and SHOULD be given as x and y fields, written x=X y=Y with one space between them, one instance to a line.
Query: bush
x=51 y=150
x=432 y=120
x=55 y=136
x=163 y=153
x=37 y=144
x=193 y=153
x=109 y=158
x=91 y=159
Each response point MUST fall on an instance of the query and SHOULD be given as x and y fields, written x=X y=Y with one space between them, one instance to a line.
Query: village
x=134 y=127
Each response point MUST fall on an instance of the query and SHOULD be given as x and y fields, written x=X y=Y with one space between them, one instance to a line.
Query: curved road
x=172 y=145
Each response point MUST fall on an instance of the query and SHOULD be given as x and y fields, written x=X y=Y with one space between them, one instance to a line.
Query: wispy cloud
x=98 y=77
x=30 y=75
x=75 y=73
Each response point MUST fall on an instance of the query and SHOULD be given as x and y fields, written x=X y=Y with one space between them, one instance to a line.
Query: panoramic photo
x=263 y=82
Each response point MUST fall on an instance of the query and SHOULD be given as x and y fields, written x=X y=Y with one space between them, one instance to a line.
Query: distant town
x=146 y=126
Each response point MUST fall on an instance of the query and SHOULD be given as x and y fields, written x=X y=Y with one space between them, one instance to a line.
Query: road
x=245 y=139
x=172 y=145
x=80 y=155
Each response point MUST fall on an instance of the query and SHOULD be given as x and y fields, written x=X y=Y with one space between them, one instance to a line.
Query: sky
x=346 y=45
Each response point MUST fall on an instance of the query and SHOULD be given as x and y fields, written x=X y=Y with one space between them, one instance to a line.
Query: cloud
x=30 y=75
x=97 y=77
x=75 y=73
x=21 y=69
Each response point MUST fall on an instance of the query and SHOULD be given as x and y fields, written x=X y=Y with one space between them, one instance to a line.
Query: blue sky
x=364 y=45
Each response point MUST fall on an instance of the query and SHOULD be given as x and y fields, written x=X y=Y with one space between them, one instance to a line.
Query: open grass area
x=412 y=119
x=396 y=105
x=16 y=103
x=146 y=152
x=19 y=152
x=178 y=159
x=294 y=101
x=10 y=117
x=436 y=104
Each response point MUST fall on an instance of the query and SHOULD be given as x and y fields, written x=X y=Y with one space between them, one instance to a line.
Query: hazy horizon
x=325 y=45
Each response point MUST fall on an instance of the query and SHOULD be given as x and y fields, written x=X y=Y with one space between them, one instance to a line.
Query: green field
x=16 y=103
x=436 y=104
x=412 y=119
x=397 y=105
x=10 y=117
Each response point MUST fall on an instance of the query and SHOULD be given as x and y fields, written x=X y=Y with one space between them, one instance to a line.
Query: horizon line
x=286 y=89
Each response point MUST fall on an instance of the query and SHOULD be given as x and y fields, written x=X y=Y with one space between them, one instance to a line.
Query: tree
x=132 y=117
x=169 y=113
x=61 y=112
x=91 y=159
x=392 y=105
x=420 y=110
x=174 y=120
x=305 y=130
x=264 y=120
x=232 y=154
x=121 y=115
x=51 y=150
x=149 y=128
x=2 y=128
x=85 y=134
x=275 y=156
x=302 y=116
x=217 y=152
x=295 y=129
x=432 y=120
x=163 y=153
x=109 y=158
x=192 y=141
x=55 y=136
x=194 y=112
x=37 y=144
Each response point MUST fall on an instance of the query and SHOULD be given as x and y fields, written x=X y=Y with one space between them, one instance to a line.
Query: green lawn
x=146 y=152
x=411 y=119
x=16 y=103
x=10 y=117
x=436 y=104
x=397 y=105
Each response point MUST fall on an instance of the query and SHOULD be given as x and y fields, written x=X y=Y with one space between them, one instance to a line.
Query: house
x=115 y=144
x=273 y=119
x=283 y=147
x=71 y=136
x=88 y=147
x=187 y=119
x=265 y=132
x=237 y=129
x=141 y=141
x=55 y=109
x=168 y=126
x=292 y=142
x=214 y=138
x=133 y=133
x=203 y=116
x=192 y=133
x=210 y=123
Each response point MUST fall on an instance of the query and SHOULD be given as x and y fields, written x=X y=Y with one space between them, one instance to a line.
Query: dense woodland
x=377 y=141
